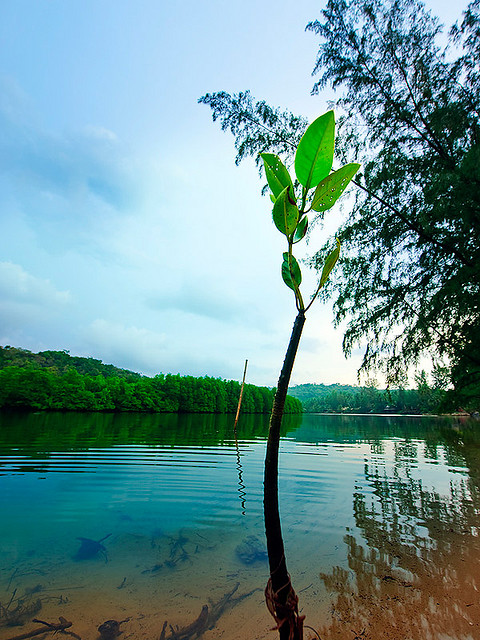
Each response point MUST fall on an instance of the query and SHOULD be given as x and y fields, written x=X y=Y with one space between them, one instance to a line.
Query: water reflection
x=241 y=486
x=36 y=434
x=413 y=569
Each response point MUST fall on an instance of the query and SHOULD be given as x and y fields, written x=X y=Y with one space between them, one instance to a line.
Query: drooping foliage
x=409 y=277
x=256 y=126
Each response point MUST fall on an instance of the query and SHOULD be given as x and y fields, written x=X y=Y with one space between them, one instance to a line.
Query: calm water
x=380 y=519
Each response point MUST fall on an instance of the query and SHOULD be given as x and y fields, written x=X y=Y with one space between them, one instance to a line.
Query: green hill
x=340 y=398
x=61 y=362
x=55 y=380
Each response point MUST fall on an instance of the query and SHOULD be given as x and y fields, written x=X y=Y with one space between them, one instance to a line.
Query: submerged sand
x=385 y=587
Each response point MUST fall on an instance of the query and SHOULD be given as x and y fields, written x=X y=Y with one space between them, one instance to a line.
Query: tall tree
x=409 y=277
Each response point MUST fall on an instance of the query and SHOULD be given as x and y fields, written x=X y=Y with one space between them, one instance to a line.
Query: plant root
x=208 y=617
x=305 y=626
x=23 y=611
x=48 y=627
x=285 y=613
x=197 y=627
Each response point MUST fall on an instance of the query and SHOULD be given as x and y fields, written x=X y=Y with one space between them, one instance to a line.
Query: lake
x=147 y=518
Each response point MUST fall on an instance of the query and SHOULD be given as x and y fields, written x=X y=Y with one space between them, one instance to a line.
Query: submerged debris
x=122 y=584
x=196 y=628
x=110 y=629
x=207 y=619
x=251 y=551
x=91 y=549
x=25 y=607
x=61 y=626
x=154 y=569
x=178 y=553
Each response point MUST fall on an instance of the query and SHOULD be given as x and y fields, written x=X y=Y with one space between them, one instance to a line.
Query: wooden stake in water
x=241 y=395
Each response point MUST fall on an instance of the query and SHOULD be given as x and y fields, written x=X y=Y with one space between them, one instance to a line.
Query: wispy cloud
x=200 y=298
x=62 y=182
x=26 y=301
x=138 y=348
x=19 y=287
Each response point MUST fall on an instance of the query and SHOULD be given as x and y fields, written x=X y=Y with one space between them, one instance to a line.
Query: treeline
x=336 y=398
x=55 y=381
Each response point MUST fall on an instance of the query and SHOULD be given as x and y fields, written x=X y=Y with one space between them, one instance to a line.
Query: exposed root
x=197 y=627
x=285 y=613
x=208 y=617
x=48 y=627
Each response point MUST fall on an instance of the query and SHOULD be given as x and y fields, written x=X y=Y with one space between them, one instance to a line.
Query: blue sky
x=127 y=233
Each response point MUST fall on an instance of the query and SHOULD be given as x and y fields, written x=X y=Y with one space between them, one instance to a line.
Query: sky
x=127 y=232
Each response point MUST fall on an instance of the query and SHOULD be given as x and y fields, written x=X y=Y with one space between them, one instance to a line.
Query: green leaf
x=272 y=198
x=301 y=230
x=314 y=157
x=329 y=264
x=291 y=273
x=331 y=188
x=285 y=213
x=277 y=174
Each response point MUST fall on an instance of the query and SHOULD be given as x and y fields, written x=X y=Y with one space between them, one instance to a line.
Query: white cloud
x=64 y=183
x=27 y=302
x=17 y=287
x=135 y=348
x=200 y=298
x=100 y=133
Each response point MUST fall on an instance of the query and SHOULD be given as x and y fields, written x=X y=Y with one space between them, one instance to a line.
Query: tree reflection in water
x=415 y=574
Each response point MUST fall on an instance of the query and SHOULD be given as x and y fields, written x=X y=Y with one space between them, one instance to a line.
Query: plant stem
x=240 y=397
x=281 y=606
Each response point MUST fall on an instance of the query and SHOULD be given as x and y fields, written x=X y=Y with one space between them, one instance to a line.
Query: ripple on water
x=379 y=517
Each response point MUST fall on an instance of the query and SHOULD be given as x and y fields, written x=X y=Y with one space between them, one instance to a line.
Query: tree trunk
x=280 y=596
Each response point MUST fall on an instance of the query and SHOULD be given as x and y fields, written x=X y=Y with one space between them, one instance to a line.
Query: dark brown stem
x=281 y=598
x=240 y=398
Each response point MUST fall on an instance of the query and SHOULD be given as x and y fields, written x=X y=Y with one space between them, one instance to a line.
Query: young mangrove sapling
x=316 y=189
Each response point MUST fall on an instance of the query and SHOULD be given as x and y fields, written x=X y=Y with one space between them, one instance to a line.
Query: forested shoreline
x=337 y=398
x=56 y=381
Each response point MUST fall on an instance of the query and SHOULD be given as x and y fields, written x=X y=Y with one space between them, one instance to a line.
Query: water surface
x=380 y=519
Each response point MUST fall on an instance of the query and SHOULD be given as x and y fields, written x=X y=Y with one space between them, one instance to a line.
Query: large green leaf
x=314 y=157
x=277 y=174
x=291 y=273
x=285 y=213
x=332 y=187
x=301 y=229
x=329 y=264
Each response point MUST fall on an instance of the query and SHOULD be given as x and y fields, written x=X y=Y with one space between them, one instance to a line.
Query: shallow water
x=380 y=518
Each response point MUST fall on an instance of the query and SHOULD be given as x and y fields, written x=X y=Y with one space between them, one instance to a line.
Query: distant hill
x=57 y=381
x=343 y=398
x=310 y=391
x=61 y=362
